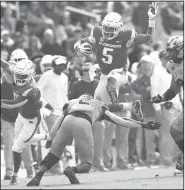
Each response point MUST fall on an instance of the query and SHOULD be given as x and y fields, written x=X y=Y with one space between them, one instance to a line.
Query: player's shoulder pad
x=31 y=92
x=127 y=34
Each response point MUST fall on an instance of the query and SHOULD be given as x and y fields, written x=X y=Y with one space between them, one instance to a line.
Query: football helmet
x=17 y=55
x=23 y=72
x=46 y=63
x=112 y=24
x=175 y=48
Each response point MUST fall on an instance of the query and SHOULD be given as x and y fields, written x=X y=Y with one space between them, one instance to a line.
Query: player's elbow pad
x=115 y=107
x=168 y=95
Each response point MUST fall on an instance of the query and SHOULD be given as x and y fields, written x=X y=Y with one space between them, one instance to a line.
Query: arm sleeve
x=15 y=103
x=172 y=91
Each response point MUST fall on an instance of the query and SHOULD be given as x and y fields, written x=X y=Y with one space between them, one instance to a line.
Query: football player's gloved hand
x=86 y=48
x=152 y=125
x=49 y=107
x=152 y=12
x=157 y=99
x=83 y=48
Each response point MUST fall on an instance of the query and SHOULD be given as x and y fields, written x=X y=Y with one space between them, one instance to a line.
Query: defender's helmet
x=112 y=24
x=175 y=48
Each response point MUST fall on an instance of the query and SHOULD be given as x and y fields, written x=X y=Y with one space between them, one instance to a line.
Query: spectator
x=53 y=85
x=36 y=20
x=7 y=41
x=172 y=17
x=71 y=41
x=140 y=17
x=7 y=20
x=160 y=80
x=142 y=86
x=121 y=141
x=50 y=47
x=34 y=46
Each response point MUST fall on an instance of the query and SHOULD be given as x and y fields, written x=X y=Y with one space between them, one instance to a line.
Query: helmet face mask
x=21 y=79
x=112 y=25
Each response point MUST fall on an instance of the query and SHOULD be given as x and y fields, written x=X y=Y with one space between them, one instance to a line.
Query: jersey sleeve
x=34 y=95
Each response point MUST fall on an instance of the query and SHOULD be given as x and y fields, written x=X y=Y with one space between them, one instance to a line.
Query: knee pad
x=83 y=167
x=176 y=134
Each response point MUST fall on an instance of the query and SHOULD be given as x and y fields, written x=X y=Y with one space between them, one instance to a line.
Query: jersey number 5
x=106 y=53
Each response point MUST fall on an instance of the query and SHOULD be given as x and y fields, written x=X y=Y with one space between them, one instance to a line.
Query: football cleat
x=14 y=179
x=35 y=181
x=69 y=173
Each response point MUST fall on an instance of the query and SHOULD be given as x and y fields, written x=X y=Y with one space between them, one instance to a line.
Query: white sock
x=38 y=137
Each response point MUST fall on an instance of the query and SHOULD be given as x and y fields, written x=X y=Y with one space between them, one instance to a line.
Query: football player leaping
x=111 y=41
x=175 y=54
x=29 y=104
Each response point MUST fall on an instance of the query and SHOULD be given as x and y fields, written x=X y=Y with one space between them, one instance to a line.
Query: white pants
x=101 y=91
x=24 y=132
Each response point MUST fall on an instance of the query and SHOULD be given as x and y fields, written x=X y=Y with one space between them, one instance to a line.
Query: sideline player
x=175 y=54
x=79 y=116
x=111 y=42
x=29 y=104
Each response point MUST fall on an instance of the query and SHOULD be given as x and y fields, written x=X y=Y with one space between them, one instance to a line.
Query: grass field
x=159 y=178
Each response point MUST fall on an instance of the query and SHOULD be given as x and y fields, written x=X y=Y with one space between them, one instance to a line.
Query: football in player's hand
x=153 y=125
x=86 y=48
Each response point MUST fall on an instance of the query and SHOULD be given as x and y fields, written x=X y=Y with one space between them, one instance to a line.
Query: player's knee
x=83 y=167
x=16 y=148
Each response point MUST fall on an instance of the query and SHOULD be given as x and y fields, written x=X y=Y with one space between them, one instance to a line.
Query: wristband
x=151 y=22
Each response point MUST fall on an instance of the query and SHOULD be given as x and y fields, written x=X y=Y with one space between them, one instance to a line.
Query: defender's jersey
x=111 y=54
x=177 y=71
x=97 y=111
x=32 y=108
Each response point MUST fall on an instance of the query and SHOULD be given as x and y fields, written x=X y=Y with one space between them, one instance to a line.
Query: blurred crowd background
x=52 y=28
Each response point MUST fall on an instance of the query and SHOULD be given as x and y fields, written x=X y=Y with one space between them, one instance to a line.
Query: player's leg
x=84 y=142
x=176 y=130
x=50 y=120
x=8 y=138
x=109 y=131
x=24 y=131
x=63 y=137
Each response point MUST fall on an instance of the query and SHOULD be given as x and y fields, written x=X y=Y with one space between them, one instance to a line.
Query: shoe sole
x=69 y=174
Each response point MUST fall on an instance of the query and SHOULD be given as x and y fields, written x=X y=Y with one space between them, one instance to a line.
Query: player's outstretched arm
x=129 y=123
x=169 y=94
x=144 y=38
x=56 y=127
x=7 y=74
x=15 y=103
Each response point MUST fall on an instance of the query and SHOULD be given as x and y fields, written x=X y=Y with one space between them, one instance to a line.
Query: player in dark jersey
x=29 y=104
x=77 y=122
x=111 y=41
x=175 y=54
